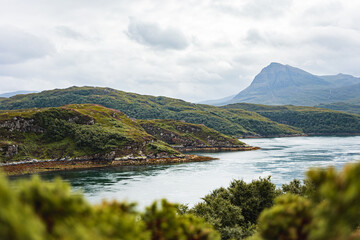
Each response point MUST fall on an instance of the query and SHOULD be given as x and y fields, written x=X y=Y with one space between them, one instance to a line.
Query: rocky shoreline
x=273 y=136
x=215 y=148
x=37 y=166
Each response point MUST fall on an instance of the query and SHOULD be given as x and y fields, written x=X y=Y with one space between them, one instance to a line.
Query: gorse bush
x=35 y=210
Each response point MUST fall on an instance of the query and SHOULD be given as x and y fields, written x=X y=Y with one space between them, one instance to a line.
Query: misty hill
x=234 y=122
x=310 y=120
x=279 y=84
x=10 y=94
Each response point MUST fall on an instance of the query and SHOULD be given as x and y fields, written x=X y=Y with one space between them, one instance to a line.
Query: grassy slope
x=309 y=119
x=76 y=130
x=232 y=122
x=342 y=106
x=177 y=132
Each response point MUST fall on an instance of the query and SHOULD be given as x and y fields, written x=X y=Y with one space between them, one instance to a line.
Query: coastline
x=299 y=135
x=216 y=148
x=37 y=166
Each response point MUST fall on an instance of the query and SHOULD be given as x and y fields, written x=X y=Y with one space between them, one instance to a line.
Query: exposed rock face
x=21 y=125
x=12 y=150
x=9 y=150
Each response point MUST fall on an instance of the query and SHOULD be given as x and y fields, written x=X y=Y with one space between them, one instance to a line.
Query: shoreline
x=216 y=148
x=301 y=135
x=33 y=167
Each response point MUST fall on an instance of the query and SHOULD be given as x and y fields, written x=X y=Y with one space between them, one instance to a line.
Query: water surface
x=282 y=158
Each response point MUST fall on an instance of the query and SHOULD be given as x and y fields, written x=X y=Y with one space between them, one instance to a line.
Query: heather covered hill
x=310 y=120
x=75 y=131
x=231 y=122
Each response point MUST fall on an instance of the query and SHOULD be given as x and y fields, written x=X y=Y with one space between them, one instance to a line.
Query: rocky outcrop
x=22 y=125
x=8 y=150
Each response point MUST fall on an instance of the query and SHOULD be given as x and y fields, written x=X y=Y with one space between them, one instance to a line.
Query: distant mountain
x=10 y=94
x=279 y=84
x=218 y=102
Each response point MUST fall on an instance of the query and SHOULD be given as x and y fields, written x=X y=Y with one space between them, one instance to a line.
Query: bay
x=281 y=158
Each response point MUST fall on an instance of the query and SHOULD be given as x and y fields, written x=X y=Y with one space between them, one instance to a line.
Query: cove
x=281 y=158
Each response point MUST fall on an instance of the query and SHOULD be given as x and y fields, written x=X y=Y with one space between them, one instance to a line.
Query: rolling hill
x=234 y=122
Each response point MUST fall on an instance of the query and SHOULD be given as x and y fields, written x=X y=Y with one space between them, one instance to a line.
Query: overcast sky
x=190 y=49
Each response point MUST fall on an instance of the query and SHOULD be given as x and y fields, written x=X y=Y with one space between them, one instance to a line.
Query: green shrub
x=33 y=209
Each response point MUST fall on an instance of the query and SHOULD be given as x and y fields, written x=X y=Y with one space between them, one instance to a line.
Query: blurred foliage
x=325 y=206
x=233 y=211
x=35 y=209
x=329 y=209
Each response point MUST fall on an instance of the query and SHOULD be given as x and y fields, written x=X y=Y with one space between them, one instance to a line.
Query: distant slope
x=309 y=119
x=342 y=106
x=218 y=102
x=10 y=94
x=231 y=122
x=74 y=131
x=279 y=84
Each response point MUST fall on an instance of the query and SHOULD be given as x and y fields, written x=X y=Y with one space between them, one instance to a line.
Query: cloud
x=256 y=9
x=69 y=33
x=150 y=34
x=212 y=55
x=265 y=8
x=17 y=46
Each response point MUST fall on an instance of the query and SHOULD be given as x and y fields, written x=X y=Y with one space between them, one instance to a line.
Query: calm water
x=282 y=158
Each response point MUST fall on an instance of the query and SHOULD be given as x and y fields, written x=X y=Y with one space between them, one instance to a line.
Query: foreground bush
x=234 y=211
x=330 y=211
x=35 y=210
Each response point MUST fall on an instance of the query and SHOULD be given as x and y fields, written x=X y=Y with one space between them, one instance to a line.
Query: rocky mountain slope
x=279 y=84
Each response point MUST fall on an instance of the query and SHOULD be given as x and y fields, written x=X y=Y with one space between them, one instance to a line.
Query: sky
x=191 y=49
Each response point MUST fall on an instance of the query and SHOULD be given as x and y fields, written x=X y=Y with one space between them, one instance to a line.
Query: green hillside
x=74 y=131
x=342 y=106
x=187 y=134
x=231 y=122
x=310 y=120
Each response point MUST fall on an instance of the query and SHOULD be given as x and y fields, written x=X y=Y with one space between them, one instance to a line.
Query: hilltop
x=231 y=122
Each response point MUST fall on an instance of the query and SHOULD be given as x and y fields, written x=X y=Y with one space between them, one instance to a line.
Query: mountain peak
x=278 y=76
x=276 y=64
